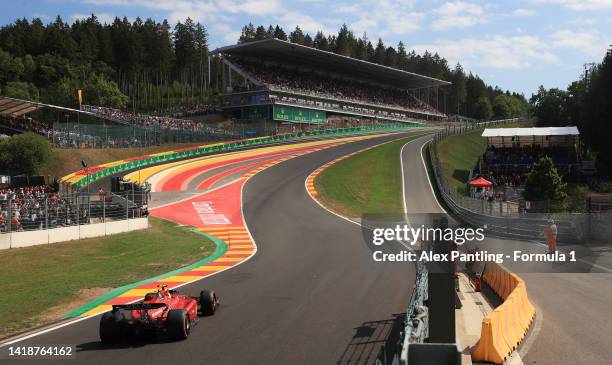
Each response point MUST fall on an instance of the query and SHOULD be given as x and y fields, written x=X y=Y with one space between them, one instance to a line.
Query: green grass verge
x=368 y=182
x=459 y=154
x=42 y=283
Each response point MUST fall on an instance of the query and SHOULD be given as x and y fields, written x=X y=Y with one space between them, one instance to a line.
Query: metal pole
x=79 y=128
x=88 y=197
x=9 y=218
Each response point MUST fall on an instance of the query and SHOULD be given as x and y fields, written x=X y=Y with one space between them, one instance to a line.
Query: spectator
x=15 y=223
x=315 y=84
x=150 y=121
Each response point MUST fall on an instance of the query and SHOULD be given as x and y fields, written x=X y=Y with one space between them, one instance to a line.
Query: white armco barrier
x=43 y=237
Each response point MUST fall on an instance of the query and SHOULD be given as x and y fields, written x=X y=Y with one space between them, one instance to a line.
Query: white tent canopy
x=528 y=132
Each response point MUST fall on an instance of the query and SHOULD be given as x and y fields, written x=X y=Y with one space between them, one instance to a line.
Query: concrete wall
x=43 y=237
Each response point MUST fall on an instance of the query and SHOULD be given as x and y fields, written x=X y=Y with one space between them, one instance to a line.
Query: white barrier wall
x=43 y=237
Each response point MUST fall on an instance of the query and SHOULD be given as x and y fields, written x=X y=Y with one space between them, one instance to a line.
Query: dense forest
x=585 y=103
x=140 y=65
x=148 y=65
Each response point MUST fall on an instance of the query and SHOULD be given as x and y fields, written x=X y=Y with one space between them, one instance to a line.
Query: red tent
x=481 y=183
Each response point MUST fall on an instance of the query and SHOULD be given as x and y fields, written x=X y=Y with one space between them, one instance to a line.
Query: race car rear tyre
x=110 y=330
x=208 y=302
x=178 y=324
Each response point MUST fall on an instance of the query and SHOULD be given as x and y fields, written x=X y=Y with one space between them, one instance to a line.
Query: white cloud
x=43 y=17
x=252 y=7
x=579 y=4
x=458 y=14
x=289 y=20
x=500 y=52
x=382 y=18
x=458 y=7
x=583 y=21
x=524 y=12
x=589 y=42
x=230 y=35
x=200 y=10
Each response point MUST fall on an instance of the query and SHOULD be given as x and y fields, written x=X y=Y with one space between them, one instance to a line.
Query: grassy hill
x=459 y=155
x=65 y=161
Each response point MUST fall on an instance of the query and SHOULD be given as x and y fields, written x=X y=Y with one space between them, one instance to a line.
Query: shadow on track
x=371 y=339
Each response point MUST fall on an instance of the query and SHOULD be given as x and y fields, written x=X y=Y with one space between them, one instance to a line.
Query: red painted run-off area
x=206 y=184
x=181 y=180
x=218 y=208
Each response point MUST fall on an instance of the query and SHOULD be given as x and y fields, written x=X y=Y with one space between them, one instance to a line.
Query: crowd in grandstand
x=144 y=120
x=317 y=85
x=507 y=168
x=24 y=208
x=27 y=124
x=523 y=157
x=40 y=207
x=184 y=111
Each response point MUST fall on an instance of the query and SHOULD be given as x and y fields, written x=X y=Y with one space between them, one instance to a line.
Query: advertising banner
x=300 y=115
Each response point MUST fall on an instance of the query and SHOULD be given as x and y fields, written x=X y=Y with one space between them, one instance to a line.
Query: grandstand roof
x=545 y=131
x=10 y=107
x=16 y=107
x=276 y=50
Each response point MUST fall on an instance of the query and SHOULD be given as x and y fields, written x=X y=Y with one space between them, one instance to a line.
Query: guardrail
x=417 y=315
x=505 y=328
x=82 y=178
x=416 y=324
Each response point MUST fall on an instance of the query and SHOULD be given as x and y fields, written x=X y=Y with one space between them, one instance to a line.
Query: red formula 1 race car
x=165 y=312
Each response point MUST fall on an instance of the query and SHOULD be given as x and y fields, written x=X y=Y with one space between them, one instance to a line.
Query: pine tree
x=279 y=33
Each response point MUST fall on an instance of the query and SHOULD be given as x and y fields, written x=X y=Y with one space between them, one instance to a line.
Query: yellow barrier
x=504 y=329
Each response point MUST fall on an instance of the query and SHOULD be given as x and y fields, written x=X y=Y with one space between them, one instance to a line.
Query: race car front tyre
x=110 y=330
x=208 y=302
x=178 y=324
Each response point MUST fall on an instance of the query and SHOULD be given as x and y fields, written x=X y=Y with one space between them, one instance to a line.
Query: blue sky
x=517 y=45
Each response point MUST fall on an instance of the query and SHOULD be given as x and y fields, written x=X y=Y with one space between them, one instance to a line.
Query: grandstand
x=97 y=126
x=290 y=83
x=512 y=152
x=515 y=150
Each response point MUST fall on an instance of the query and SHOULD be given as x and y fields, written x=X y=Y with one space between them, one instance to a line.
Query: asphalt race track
x=311 y=294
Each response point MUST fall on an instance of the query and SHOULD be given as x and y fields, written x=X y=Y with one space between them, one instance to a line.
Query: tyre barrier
x=505 y=328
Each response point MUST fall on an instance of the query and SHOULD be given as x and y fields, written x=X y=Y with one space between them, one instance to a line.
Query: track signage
x=299 y=115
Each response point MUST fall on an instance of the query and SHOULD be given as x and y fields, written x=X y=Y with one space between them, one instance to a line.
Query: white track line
x=357 y=152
